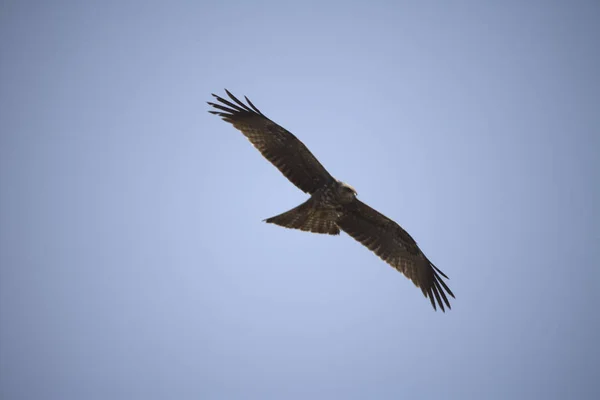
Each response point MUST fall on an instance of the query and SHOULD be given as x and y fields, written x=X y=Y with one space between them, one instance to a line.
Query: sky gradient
x=134 y=263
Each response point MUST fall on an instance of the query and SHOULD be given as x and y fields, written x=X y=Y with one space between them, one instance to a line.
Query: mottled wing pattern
x=396 y=247
x=275 y=143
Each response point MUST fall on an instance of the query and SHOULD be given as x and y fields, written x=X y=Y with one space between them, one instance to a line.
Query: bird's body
x=333 y=205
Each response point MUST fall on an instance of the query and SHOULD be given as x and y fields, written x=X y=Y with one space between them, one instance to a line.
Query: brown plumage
x=275 y=143
x=333 y=205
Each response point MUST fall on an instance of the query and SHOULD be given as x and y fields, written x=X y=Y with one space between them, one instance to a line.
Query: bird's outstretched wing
x=396 y=247
x=275 y=143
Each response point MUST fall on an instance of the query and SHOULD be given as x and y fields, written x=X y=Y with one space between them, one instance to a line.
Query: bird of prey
x=333 y=205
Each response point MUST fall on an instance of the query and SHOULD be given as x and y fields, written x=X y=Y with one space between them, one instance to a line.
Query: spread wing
x=396 y=247
x=275 y=143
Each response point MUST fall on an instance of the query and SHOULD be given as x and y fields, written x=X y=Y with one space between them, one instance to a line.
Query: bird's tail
x=309 y=218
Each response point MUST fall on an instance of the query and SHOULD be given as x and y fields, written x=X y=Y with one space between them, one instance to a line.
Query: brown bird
x=333 y=204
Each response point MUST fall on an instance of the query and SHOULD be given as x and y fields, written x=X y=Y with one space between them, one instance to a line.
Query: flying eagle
x=332 y=205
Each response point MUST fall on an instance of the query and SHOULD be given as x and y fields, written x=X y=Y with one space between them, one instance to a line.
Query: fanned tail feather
x=307 y=218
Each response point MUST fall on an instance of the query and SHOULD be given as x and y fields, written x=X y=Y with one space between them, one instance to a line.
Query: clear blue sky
x=133 y=260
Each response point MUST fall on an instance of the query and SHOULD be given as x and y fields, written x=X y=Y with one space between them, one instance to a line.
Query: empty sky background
x=133 y=260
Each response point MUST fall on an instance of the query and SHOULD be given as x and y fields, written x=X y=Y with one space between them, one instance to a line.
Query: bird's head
x=346 y=192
